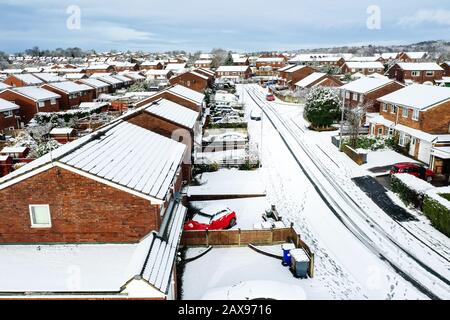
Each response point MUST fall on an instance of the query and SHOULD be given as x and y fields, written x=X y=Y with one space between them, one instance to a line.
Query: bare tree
x=354 y=119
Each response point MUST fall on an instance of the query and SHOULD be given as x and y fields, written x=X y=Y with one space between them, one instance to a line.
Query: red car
x=212 y=218
x=270 y=97
x=413 y=169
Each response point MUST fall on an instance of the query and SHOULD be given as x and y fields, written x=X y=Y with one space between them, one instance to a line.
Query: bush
x=249 y=165
x=407 y=195
x=231 y=125
x=322 y=107
x=201 y=168
x=438 y=214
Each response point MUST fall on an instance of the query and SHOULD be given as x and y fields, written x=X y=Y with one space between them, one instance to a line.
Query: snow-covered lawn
x=248 y=210
x=384 y=158
x=241 y=273
x=229 y=182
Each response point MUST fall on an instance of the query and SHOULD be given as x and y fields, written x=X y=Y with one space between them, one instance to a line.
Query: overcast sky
x=240 y=25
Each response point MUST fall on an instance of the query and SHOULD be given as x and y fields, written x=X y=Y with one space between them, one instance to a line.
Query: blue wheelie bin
x=287 y=247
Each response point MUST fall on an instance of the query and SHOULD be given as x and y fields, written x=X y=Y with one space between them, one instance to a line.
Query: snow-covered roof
x=75 y=76
x=118 y=264
x=95 y=83
x=150 y=63
x=232 y=68
x=174 y=112
x=193 y=95
x=122 y=155
x=365 y=65
x=36 y=93
x=98 y=66
x=305 y=82
x=206 y=56
x=270 y=59
x=49 y=77
x=69 y=86
x=203 y=62
x=389 y=55
x=13 y=149
x=6 y=105
x=4 y=158
x=109 y=79
x=132 y=75
x=420 y=66
x=366 y=84
x=153 y=72
x=199 y=75
x=294 y=69
x=418 y=96
x=175 y=66
x=57 y=131
x=121 y=78
x=416 y=55
x=363 y=59
x=4 y=86
x=162 y=255
x=29 y=79
x=286 y=67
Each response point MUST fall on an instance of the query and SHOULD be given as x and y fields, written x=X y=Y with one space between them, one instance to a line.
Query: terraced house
x=419 y=116
x=114 y=198
x=425 y=72
x=72 y=94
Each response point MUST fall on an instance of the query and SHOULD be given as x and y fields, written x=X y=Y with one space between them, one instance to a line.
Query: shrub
x=405 y=193
x=230 y=125
x=201 y=168
x=249 y=165
x=322 y=107
x=438 y=214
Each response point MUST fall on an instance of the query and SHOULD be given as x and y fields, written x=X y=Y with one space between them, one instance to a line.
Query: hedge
x=231 y=125
x=438 y=214
x=407 y=195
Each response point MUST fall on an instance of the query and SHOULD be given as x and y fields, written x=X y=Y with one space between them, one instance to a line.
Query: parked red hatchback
x=270 y=97
x=413 y=169
x=212 y=218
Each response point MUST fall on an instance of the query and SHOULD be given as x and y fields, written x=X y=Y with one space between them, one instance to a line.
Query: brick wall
x=401 y=75
x=68 y=103
x=82 y=210
x=7 y=122
x=169 y=96
x=190 y=81
x=371 y=98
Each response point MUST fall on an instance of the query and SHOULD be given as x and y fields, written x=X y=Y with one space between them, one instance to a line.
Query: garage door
x=424 y=151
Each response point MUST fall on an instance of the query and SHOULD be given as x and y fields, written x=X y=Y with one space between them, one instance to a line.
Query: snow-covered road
x=361 y=252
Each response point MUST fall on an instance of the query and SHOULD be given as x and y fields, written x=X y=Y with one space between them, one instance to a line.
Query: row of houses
x=115 y=196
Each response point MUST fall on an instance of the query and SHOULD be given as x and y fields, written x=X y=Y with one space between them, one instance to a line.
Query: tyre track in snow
x=332 y=204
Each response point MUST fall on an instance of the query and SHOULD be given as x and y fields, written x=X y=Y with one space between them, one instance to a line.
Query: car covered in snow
x=212 y=218
x=414 y=169
x=256 y=115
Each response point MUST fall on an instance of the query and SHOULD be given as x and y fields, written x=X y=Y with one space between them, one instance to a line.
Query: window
x=380 y=131
x=405 y=112
x=415 y=115
x=385 y=107
x=393 y=109
x=8 y=114
x=40 y=216
x=361 y=98
x=430 y=73
x=355 y=96
x=347 y=95
x=391 y=131
x=415 y=73
x=53 y=101
x=371 y=70
x=41 y=104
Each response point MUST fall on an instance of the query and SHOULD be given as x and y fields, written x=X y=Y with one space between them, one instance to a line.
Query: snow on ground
x=345 y=269
x=383 y=158
x=229 y=182
x=240 y=273
x=248 y=210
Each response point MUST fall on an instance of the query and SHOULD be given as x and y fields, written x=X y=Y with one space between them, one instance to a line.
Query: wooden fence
x=238 y=237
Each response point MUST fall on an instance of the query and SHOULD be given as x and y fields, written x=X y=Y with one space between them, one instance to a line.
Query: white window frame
x=41 y=104
x=385 y=107
x=34 y=225
x=347 y=95
x=355 y=96
x=380 y=131
x=394 y=109
x=8 y=114
x=402 y=141
x=403 y=112
x=430 y=73
x=416 y=114
x=415 y=73
x=53 y=101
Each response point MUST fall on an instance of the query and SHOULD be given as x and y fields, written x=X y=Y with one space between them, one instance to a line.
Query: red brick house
x=318 y=79
x=63 y=135
x=274 y=63
x=15 y=152
x=446 y=67
x=290 y=76
x=99 y=87
x=32 y=100
x=113 y=82
x=9 y=116
x=423 y=72
x=366 y=91
x=193 y=80
x=203 y=64
x=184 y=96
x=234 y=72
x=152 y=65
x=365 y=68
x=125 y=66
x=23 y=80
x=419 y=116
x=111 y=197
x=100 y=68
x=72 y=94
x=412 y=56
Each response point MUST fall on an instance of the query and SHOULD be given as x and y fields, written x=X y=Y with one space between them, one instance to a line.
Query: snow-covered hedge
x=43 y=118
x=413 y=190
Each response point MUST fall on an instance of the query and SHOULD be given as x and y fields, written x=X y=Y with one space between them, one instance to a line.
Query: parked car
x=414 y=169
x=212 y=218
x=256 y=115
x=270 y=97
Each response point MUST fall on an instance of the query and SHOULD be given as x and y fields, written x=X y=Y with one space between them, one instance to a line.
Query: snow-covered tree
x=322 y=107
x=46 y=147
